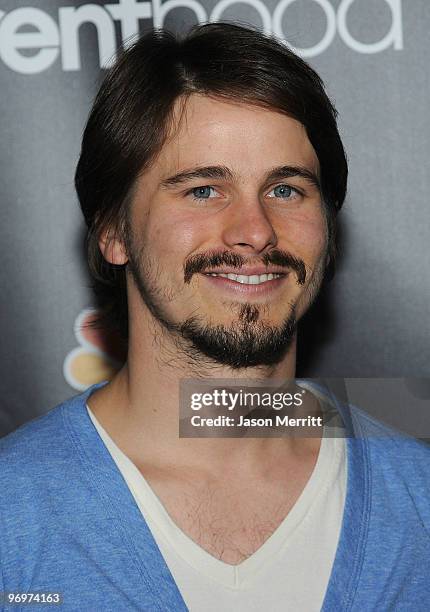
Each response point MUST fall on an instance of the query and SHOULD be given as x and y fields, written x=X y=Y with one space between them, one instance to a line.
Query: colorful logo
x=99 y=354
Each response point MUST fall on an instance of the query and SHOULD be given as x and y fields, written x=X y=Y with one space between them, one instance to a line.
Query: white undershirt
x=289 y=572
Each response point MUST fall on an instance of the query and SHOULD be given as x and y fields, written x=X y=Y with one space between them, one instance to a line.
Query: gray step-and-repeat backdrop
x=373 y=320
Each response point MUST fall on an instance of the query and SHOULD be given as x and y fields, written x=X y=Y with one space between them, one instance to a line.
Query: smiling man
x=229 y=266
x=210 y=177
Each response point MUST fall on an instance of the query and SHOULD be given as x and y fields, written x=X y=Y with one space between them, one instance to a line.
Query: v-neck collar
x=230 y=576
x=119 y=503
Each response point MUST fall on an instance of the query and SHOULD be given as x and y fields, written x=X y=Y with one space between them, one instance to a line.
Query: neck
x=139 y=408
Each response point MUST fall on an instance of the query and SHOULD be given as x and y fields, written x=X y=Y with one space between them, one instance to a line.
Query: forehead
x=246 y=138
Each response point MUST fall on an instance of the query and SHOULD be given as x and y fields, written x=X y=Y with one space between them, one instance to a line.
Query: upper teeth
x=255 y=279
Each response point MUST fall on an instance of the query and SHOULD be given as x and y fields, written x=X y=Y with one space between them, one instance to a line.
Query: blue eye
x=202 y=193
x=282 y=191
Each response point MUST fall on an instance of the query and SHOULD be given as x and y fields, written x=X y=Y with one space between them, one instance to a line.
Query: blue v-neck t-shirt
x=70 y=525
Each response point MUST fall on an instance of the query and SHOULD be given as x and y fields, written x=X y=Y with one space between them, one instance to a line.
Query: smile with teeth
x=255 y=279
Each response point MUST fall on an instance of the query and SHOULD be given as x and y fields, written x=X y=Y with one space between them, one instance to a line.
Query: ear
x=112 y=248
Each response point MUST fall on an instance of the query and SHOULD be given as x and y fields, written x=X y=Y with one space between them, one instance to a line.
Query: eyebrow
x=224 y=173
x=206 y=172
x=277 y=174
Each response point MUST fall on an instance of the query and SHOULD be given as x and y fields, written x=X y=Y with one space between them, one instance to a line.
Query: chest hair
x=230 y=522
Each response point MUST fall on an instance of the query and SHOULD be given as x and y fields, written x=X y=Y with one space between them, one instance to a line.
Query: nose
x=247 y=228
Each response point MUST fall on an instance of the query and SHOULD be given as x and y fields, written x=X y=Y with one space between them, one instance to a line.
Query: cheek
x=307 y=236
x=177 y=236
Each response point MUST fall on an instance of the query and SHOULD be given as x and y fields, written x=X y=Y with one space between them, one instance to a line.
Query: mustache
x=200 y=262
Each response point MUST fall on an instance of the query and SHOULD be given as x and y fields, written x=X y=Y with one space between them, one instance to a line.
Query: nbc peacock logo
x=98 y=356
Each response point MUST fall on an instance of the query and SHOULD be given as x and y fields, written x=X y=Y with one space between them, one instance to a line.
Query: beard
x=247 y=341
x=242 y=344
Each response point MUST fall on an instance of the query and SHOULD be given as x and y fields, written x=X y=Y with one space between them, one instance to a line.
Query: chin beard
x=242 y=344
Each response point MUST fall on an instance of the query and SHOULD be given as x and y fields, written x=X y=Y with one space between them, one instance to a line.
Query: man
x=210 y=176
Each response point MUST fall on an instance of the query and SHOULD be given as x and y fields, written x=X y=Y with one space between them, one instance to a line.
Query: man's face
x=234 y=191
